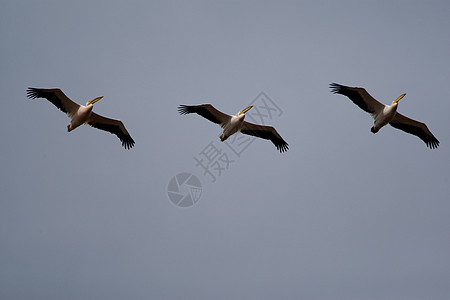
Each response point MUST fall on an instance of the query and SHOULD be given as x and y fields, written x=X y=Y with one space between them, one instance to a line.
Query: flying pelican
x=236 y=123
x=81 y=114
x=386 y=114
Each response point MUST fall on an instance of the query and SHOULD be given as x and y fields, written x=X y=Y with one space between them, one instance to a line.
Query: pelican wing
x=113 y=126
x=359 y=96
x=265 y=132
x=207 y=111
x=417 y=128
x=55 y=96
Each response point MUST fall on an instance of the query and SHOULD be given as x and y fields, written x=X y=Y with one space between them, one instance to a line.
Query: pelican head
x=245 y=110
x=93 y=100
x=398 y=99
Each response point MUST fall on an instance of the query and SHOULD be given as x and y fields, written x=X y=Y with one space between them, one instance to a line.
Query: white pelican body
x=386 y=114
x=80 y=114
x=236 y=123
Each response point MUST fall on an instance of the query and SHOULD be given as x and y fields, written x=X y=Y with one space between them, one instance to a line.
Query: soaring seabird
x=386 y=114
x=236 y=123
x=81 y=114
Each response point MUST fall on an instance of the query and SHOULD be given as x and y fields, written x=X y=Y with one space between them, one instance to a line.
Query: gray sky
x=344 y=214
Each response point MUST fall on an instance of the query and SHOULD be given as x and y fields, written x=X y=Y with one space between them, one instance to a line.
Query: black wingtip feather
x=184 y=109
x=336 y=88
x=33 y=93
x=127 y=141
x=128 y=144
x=432 y=144
x=283 y=147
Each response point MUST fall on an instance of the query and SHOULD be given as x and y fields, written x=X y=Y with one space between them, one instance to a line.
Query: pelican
x=81 y=114
x=386 y=114
x=236 y=123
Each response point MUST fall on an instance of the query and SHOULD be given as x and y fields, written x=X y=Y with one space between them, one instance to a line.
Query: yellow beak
x=245 y=110
x=95 y=100
x=398 y=99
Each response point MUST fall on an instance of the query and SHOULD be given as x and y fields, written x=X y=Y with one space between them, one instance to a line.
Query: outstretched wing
x=55 y=96
x=265 y=132
x=207 y=111
x=417 y=128
x=113 y=126
x=359 y=96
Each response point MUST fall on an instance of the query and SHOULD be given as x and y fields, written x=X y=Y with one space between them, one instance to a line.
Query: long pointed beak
x=245 y=110
x=398 y=99
x=95 y=100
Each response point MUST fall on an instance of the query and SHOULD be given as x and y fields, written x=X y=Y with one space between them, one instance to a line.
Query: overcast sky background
x=344 y=214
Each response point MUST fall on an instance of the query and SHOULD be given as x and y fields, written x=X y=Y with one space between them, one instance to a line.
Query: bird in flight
x=83 y=114
x=235 y=123
x=386 y=114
